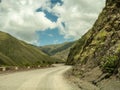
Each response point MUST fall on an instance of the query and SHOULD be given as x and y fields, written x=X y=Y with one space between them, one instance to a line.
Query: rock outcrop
x=99 y=49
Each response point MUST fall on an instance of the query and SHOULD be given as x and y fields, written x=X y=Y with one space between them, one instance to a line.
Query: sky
x=44 y=22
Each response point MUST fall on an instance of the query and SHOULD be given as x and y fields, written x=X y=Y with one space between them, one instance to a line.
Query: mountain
x=16 y=52
x=96 y=56
x=59 y=51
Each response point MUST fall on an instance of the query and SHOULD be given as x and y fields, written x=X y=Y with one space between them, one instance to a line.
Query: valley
x=14 y=52
x=90 y=63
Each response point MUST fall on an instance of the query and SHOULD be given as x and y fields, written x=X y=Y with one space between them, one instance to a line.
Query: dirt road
x=41 y=79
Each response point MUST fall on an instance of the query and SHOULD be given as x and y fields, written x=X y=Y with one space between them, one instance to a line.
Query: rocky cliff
x=99 y=48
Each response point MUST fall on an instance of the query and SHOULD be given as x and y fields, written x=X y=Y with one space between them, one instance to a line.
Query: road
x=40 y=79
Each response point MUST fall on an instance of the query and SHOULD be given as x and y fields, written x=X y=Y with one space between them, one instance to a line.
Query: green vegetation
x=109 y=63
x=77 y=49
x=14 y=52
x=96 y=55
x=100 y=46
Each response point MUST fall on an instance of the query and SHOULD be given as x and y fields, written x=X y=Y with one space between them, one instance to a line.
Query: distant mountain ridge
x=18 y=53
x=59 y=51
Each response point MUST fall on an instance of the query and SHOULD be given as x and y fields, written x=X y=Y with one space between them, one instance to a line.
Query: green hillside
x=96 y=56
x=16 y=52
x=59 y=51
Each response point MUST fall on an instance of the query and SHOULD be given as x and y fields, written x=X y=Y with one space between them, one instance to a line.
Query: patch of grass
x=109 y=63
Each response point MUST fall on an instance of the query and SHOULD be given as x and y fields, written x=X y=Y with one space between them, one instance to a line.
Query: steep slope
x=97 y=54
x=16 y=52
x=59 y=51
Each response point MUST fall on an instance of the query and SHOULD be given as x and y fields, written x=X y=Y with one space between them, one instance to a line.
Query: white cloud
x=18 y=17
x=78 y=15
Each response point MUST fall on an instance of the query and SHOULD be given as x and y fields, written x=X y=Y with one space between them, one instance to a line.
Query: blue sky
x=54 y=2
x=51 y=16
x=43 y=22
x=51 y=36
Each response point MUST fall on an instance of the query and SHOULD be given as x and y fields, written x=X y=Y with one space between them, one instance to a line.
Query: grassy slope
x=100 y=46
x=59 y=51
x=96 y=56
x=100 y=42
x=16 y=52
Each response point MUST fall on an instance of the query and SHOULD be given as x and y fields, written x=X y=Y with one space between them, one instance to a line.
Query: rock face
x=100 y=46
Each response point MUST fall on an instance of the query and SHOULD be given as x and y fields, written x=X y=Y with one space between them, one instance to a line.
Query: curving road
x=41 y=79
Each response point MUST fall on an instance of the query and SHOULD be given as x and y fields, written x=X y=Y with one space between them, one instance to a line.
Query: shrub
x=109 y=63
